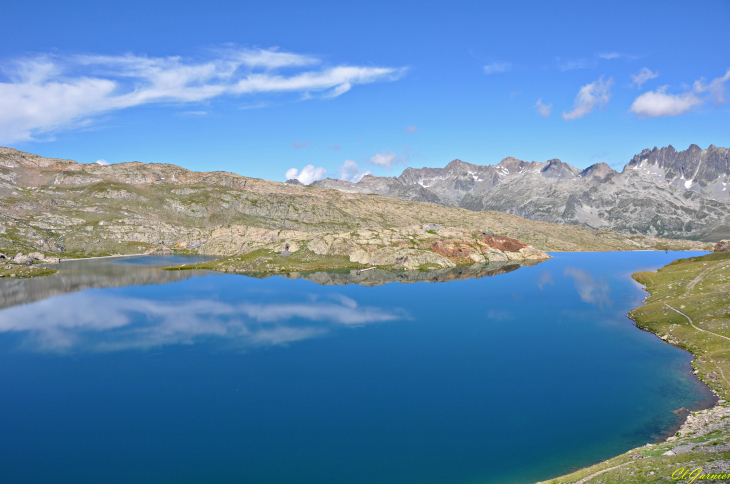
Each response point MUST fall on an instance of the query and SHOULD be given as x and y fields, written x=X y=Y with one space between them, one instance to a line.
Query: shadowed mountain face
x=660 y=192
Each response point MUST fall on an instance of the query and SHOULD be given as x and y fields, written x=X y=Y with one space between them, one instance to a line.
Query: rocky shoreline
x=701 y=444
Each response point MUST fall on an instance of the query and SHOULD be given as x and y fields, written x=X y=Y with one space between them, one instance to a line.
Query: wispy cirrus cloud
x=542 y=109
x=573 y=64
x=299 y=145
x=597 y=93
x=660 y=103
x=645 y=74
x=387 y=159
x=591 y=62
x=48 y=93
x=610 y=55
x=498 y=67
x=351 y=171
x=617 y=55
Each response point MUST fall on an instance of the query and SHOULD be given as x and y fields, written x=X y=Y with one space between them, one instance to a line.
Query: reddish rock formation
x=504 y=243
x=723 y=246
x=449 y=248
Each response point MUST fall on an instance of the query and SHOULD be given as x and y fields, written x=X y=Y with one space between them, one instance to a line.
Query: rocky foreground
x=61 y=208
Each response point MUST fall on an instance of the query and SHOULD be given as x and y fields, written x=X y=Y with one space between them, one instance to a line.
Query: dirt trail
x=587 y=478
x=693 y=324
x=702 y=275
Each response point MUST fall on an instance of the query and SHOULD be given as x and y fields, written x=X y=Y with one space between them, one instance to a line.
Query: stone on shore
x=722 y=246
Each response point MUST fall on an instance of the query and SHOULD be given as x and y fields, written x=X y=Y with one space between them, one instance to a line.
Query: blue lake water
x=117 y=372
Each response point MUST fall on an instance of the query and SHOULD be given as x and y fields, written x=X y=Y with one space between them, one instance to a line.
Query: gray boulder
x=22 y=259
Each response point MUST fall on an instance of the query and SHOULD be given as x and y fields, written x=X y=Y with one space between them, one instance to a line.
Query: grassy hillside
x=688 y=306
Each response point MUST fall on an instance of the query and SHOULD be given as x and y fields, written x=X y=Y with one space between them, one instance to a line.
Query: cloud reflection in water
x=589 y=290
x=90 y=321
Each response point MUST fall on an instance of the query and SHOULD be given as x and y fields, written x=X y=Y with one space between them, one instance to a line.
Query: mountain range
x=660 y=192
x=58 y=206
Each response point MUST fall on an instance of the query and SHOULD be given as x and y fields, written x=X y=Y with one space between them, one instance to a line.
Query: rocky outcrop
x=21 y=258
x=722 y=246
x=407 y=248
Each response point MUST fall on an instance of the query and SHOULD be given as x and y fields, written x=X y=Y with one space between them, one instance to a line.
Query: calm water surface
x=118 y=372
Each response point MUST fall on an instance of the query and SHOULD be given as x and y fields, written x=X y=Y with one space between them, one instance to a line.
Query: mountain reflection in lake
x=116 y=371
x=92 y=320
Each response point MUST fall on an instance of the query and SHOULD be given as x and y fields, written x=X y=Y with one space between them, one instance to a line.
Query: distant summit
x=660 y=192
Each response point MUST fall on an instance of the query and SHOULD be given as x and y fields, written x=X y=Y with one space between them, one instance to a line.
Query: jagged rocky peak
x=459 y=166
x=514 y=165
x=599 y=171
x=691 y=168
x=558 y=169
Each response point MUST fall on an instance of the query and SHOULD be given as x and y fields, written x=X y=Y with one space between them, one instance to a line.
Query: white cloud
x=335 y=147
x=337 y=91
x=655 y=104
x=383 y=159
x=308 y=175
x=610 y=55
x=351 y=171
x=102 y=162
x=574 y=64
x=299 y=146
x=411 y=129
x=254 y=106
x=590 y=95
x=387 y=159
x=644 y=75
x=618 y=55
x=542 y=109
x=716 y=87
x=49 y=93
x=659 y=103
x=497 y=67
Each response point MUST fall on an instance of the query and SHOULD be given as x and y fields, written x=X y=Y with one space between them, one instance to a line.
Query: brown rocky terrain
x=64 y=208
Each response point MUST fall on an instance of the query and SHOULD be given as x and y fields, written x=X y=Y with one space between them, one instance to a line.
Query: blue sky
x=261 y=88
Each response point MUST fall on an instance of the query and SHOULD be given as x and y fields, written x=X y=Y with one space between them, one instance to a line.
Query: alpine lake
x=116 y=371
